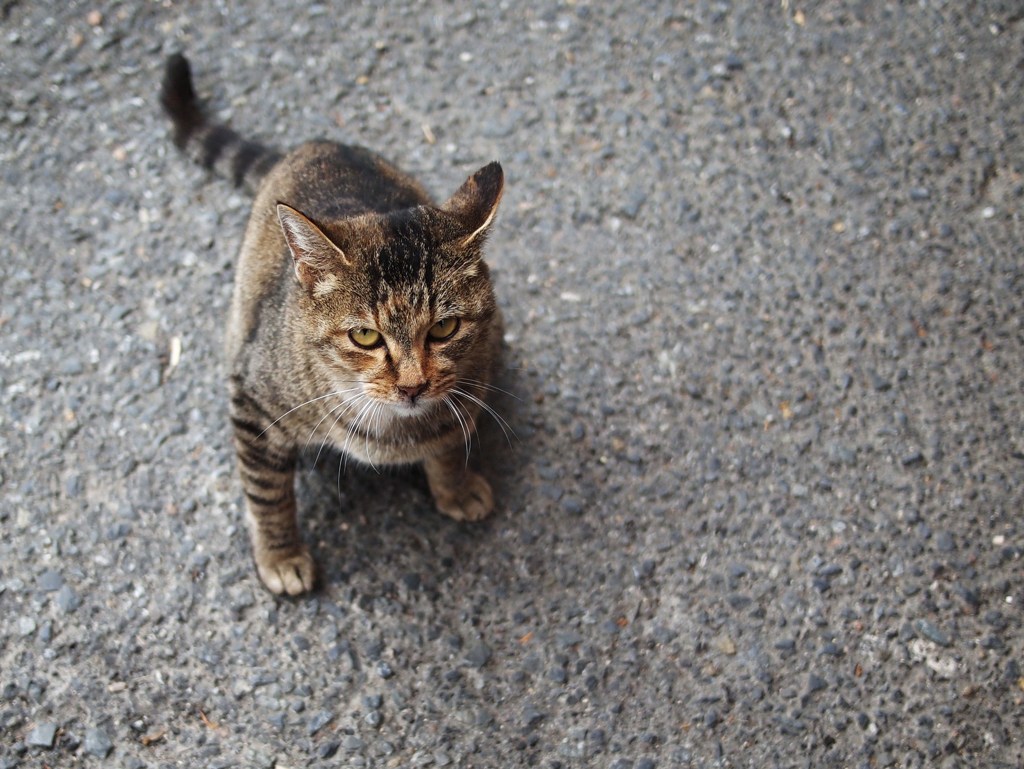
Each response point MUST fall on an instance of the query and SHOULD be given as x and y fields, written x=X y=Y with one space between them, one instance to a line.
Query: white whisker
x=506 y=428
x=345 y=406
x=467 y=437
x=311 y=400
x=330 y=411
x=490 y=387
x=356 y=425
x=371 y=419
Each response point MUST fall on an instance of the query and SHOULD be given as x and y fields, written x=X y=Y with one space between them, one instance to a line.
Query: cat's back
x=327 y=180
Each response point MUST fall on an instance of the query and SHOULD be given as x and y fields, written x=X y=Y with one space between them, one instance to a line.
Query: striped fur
x=215 y=147
x=340 y=241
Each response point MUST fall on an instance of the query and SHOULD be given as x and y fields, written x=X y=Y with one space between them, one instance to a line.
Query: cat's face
x=400 y=306
x=405 y=338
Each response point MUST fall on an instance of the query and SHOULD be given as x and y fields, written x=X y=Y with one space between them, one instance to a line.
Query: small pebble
x=422 y=758
x=880 y=383
x=791 y=726
x=71 y=367
x=532 y=716
x=97 y=743
x=26 y=626
x=353 y=743
x=42 y=736
x=969 y=595
x=478 y=655
x=932 y=632
x=412 y=581
x=572 y=505
x=50 y=581
x=912 y=459
x=725 y=645
x=558 y=675
x=633 y=203
x=566 y=639
x=645 y=569
x=907 y=632
x=328 y=749
x=319 y=721
x=831 y=650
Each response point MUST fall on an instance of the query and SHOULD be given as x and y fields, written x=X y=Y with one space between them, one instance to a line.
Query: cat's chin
x=410 y=410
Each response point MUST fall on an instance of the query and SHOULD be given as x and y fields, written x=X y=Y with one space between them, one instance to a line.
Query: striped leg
x=266 y=462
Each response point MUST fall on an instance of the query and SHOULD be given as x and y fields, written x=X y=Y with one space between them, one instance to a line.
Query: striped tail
x=215 y=147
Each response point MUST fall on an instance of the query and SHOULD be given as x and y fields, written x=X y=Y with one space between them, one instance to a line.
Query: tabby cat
x=363 y=319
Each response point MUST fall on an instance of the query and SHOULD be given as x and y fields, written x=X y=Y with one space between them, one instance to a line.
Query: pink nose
x=412 y=392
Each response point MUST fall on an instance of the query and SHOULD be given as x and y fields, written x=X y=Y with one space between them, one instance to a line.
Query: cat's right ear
x=313 y=253
x=476 y=202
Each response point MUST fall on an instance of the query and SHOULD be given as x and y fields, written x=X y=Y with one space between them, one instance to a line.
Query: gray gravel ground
x=761 y=264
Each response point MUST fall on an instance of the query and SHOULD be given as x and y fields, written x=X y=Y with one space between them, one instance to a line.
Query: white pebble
x=26 y=626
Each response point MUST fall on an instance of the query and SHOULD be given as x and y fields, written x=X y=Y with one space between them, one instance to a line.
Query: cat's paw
x=470 y=500
x=293 y=574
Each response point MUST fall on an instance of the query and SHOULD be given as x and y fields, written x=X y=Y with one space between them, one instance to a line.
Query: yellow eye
x=443 y=329
x=365 y=337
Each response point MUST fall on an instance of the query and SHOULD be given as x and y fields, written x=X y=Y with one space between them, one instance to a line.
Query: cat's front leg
x=267 y=467
x=458 y=492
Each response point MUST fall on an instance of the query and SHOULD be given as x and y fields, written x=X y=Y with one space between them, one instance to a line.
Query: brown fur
x=340 y=241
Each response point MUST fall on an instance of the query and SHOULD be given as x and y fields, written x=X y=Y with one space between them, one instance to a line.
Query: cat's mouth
x=407 y=408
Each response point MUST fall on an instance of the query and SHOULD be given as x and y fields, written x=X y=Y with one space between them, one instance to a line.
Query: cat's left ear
x=313 y=253
x=476 y=202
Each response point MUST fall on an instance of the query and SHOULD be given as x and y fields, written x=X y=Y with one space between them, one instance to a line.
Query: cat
x=363 y=319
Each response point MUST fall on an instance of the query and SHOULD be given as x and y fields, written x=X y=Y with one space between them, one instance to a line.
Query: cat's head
x=400 y=305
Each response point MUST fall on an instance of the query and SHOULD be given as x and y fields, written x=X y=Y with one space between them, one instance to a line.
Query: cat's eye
x=365 y=337
x=443 y=329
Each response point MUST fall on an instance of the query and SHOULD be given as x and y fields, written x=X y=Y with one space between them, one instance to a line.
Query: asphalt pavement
x=761 y=268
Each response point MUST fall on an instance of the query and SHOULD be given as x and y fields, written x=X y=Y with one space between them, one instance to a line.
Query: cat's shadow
x=373 y=528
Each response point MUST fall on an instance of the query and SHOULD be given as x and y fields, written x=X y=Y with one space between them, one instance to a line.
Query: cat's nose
x=412 y=392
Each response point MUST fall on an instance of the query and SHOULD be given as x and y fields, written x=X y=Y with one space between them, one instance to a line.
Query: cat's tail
x=215 y=147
